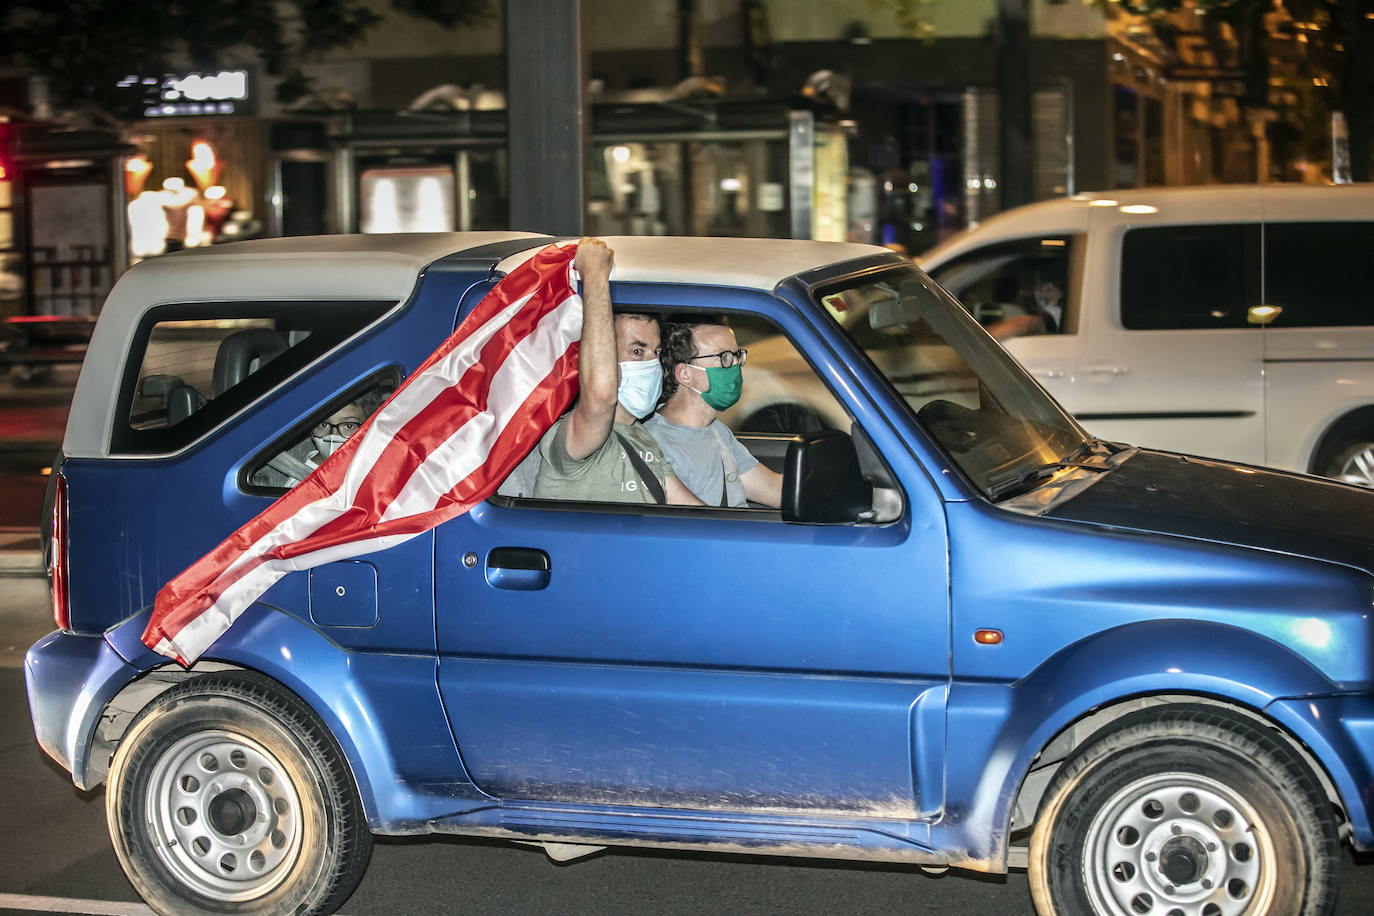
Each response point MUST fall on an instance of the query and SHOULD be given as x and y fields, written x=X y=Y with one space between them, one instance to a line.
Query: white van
x=1231 y=321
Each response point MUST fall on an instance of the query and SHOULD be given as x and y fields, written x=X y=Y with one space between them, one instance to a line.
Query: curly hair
x=679 y=345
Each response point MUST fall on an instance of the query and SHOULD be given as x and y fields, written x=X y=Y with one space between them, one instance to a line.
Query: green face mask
x=723 y=387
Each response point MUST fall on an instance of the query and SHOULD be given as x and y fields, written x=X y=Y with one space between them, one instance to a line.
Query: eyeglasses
x=343 y=428
x=727 y=358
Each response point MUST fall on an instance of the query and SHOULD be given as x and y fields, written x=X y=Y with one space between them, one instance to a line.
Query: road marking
x=72 y=905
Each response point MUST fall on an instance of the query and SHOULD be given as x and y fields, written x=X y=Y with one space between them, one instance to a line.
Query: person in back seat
x=702 y=370
x=295 y=464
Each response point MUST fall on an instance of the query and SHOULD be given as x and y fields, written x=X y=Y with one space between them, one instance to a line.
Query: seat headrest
x=237 y=353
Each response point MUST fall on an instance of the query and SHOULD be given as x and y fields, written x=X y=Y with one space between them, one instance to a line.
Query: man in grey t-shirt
x=702 y=375
x=598 y=452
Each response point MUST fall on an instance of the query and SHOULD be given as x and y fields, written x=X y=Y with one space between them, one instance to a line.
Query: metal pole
x=546 y=112
x=1014 y=102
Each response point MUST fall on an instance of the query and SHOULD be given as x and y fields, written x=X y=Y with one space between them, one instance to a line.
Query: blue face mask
x=641 y=382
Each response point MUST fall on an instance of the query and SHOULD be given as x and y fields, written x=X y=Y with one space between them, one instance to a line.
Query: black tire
x=227 y=795
x=1185 y=810
x=1350 y=461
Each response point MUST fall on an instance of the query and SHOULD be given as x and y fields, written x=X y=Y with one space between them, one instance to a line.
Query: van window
x=1189 y=277
x=1016 y=288
x=1319 y=273
x=193 y=366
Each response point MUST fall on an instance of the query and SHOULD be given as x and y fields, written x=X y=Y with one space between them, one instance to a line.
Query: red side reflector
x=987 y=637
x=57 y=557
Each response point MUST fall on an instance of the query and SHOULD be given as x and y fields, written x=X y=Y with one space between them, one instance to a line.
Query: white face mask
x=641 y=382
x=326 y=445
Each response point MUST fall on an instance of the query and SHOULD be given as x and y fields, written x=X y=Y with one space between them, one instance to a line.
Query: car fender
x=406 y=768
x=996 y=731
x=71 y=678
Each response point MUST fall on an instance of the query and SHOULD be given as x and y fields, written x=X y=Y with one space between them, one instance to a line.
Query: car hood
x=1231 y=504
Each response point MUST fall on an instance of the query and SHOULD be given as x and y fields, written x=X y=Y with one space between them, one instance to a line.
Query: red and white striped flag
x=441 y=443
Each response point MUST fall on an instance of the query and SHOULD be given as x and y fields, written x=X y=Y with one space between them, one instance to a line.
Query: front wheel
x=228 y=796
x=1352 y=462
x=1191 y=811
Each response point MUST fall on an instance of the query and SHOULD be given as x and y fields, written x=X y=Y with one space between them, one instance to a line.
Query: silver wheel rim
x=1179 y=844
x=224 y=815
x=1359 y=467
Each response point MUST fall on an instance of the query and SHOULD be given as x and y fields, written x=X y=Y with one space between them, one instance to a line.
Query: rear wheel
x=1191 y=811
x=228 y=796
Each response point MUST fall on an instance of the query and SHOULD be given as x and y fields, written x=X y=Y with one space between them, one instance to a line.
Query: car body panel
x=70 y=680
x=1340 y=731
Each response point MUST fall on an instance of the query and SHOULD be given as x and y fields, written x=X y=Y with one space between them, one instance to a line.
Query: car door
x=1319 y=339
x=702 y=658
x=1172 y=360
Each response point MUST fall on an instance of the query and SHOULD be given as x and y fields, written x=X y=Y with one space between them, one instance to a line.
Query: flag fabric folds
x=441 y=443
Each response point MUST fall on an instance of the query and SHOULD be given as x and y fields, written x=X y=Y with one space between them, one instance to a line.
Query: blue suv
x=972 y=636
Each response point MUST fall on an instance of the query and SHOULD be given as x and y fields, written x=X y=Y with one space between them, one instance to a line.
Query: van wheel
x=1352 y=462
x=227 y=795
x=1192 y=810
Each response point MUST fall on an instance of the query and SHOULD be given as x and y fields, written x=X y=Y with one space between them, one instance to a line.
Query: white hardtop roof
x=307 y=267
x=744 y=263
x=1193 y=203
x=383 y=268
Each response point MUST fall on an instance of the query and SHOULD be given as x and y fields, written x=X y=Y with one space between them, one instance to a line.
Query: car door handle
x=522 y=569
x=1106 y=369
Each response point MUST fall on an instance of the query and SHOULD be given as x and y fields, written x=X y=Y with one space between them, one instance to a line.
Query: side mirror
x=822 y=482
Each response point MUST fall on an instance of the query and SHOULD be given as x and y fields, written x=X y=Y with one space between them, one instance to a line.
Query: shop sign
x=225 y=92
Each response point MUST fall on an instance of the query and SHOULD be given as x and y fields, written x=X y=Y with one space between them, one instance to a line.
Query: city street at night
x=672 y=457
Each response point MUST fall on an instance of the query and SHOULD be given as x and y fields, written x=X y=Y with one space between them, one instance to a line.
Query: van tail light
x=57 y=555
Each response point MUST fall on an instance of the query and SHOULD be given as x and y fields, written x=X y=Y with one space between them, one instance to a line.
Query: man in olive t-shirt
x=598 y=452
x=607 y=474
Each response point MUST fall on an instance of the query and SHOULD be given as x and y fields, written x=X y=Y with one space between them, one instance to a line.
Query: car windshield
x=997 y=425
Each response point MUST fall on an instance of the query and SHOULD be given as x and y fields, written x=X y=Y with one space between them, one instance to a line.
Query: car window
x=782 y=396
x=292 y=458
x=1016 y=288
x=967 y=392
x=178 y=374
x=1319 y=273
x=193 y=366
x=1189 y=277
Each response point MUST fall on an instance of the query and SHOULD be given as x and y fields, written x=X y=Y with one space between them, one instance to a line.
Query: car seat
x=243 y=353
